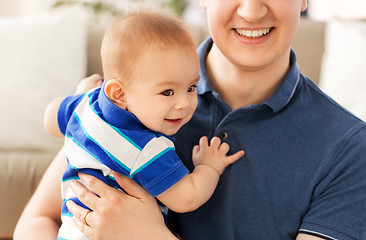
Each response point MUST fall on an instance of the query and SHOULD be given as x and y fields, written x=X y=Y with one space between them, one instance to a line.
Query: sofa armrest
x=20 y=173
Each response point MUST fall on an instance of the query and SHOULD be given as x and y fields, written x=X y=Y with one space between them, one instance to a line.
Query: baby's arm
x=192 y=191
x=50 y=122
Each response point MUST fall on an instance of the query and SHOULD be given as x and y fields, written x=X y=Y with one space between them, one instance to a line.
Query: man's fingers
x=83 y=217
x=87 y=230
x=95 y=78
x=84 y=194
x=96 y=185
x=130 y=186
x=88 y=83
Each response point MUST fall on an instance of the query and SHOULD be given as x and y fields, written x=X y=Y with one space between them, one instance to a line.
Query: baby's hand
x=88 y=83
x=214 y=155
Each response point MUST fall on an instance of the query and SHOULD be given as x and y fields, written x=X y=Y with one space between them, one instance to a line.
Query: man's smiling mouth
x=253 y=33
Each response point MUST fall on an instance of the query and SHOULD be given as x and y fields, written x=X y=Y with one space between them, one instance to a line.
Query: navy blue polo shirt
x=304 y=168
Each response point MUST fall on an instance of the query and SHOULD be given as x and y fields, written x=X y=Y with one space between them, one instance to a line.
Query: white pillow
x=41 y=57
x=343 y=74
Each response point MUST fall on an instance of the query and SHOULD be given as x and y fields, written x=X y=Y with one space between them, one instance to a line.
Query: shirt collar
x=121 y=118
x=287 y=88
x=204 y=85
x=117 y=116
x=277 y=101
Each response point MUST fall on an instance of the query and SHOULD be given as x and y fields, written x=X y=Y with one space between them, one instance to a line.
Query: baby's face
x=163 y=93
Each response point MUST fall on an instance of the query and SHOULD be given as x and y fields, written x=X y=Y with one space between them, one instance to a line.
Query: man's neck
x=240 y=87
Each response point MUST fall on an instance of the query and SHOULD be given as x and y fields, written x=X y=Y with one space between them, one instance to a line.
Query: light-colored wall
x=324 y=10
x=17 y=8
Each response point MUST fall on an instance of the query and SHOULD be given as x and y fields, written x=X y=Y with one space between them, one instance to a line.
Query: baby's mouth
x=253 y=33
x=175 y=120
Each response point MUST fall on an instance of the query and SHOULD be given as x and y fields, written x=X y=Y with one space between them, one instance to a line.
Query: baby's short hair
x=126 y=40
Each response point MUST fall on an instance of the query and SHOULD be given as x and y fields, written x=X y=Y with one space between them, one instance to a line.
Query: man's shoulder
x=324 y=108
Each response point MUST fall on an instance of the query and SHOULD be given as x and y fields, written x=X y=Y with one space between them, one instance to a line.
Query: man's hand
x=117 y=215
x=88 y=83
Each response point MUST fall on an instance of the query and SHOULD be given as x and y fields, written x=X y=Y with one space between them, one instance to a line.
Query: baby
x=151 y=70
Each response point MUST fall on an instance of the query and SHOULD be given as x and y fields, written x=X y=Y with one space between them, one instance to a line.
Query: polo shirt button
x=223 y=135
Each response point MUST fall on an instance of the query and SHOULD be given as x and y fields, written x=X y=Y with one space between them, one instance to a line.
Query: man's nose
x=252 y=10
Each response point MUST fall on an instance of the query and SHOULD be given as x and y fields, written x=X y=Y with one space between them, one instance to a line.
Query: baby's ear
x=115 y=92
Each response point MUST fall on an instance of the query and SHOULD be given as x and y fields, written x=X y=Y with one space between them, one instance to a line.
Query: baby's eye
x=168 y=92
x=192 y=88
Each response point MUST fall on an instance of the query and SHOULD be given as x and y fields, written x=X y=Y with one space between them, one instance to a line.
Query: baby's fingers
x=215 y=142
x=224 y=148
x=195 y=149
x=203 y=141
x=235 y=157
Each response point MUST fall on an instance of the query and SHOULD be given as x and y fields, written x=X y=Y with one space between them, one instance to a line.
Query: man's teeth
x=253 y=33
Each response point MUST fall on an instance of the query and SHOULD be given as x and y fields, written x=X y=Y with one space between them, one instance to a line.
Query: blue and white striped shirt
x=101 y=137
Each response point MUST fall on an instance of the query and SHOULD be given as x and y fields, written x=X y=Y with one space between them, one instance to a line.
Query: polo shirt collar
x=277 y=101
x=204 y=85
x=287 y=88
x=121 y=118
x=117 y=116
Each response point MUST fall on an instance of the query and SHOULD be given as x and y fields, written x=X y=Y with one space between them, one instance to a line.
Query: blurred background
x=48 y=46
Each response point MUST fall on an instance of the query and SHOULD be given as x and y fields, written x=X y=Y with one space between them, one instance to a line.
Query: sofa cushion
x=42 y=57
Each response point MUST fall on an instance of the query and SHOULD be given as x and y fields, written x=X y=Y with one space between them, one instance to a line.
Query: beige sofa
x=22 y=169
